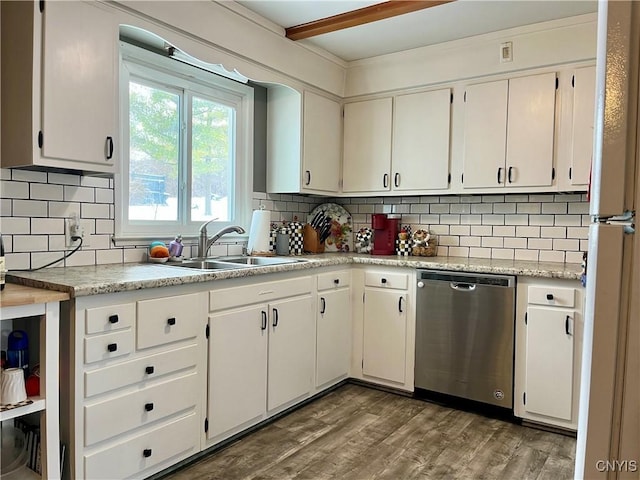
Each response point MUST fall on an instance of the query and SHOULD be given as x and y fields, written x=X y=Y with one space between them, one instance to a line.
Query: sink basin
x=208 y=265
x=259 y=261
x=227 y=263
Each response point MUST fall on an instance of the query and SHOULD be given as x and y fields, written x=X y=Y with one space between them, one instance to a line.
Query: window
x=187 y=141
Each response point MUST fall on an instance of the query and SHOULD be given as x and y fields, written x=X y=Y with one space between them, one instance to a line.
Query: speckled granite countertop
x=97 y=279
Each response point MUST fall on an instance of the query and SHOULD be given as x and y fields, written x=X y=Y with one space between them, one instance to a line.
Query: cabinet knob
x=149 y=370
x=112 y=347
x=148 y=406
x=337 y=281
x=146 y=453
x=421 y=284
x=549 y=296
x=113 y=319
x=383 y=281
x=171 y=321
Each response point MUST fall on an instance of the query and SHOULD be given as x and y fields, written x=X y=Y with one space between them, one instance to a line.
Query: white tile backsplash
x=546 y=227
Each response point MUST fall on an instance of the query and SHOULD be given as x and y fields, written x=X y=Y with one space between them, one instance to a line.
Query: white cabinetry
x=509 y=133
x=399 y=144
x=59 y=90
x=548 y=351
x=139 y=384
x=261 y=352
x=333 y=327
x=304 y=150
x=25 y=304
x=383 y=327
x=367 y=146
x=420 y=151
x=584 y=99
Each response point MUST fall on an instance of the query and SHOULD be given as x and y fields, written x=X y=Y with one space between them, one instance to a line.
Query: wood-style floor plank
x=360 y=433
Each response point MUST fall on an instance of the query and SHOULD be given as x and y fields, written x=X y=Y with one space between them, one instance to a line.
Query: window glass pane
x=154 y=116
x=212 y=157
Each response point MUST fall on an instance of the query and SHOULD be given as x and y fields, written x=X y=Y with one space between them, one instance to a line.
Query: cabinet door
x=367 y=146
x=333 y=336
x=584 y=100
x=420 y=157
x=485 y=134
x=549 y=363
x=237 y=367
x=385 y=328
x=291 y=350
x=322 y=143
x=530 y=130
x=79 y=84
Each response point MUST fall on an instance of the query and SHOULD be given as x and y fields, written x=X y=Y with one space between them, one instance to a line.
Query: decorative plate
x=340 y=237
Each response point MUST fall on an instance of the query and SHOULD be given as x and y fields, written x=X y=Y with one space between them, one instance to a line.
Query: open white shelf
x=38 y=405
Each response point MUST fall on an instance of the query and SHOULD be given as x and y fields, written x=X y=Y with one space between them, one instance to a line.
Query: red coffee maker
x=385 y=231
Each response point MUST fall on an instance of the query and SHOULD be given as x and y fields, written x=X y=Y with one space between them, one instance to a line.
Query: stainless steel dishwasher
x=465 y=336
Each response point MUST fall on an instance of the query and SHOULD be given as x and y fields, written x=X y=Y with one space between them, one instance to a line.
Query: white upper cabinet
x=485 y=131
x=321 y=143
x=367 y=146
x=509 y=133
x=584 y=92
x=420 y=152
x=304 y=142
x=60 y=97
x=399 y=144
x=530 y=131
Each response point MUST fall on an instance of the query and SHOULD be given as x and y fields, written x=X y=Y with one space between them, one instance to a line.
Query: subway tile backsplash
x=540 y=227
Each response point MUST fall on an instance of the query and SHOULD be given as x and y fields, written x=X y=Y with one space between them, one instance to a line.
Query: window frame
x=156 y=70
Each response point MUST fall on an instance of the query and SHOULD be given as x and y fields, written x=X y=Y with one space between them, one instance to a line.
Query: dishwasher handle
x=463 y=287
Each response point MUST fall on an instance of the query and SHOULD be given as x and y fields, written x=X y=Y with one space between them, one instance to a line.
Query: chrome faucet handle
x=203 y=227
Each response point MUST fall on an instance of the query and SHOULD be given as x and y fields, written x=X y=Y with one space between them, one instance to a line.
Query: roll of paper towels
x=259 y=232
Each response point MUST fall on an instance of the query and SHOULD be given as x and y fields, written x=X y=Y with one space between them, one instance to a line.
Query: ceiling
x=451 y=21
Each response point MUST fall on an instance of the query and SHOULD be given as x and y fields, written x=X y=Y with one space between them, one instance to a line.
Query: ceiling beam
x=360 y=16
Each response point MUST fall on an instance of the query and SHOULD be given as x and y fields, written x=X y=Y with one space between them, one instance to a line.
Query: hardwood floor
x=358 y=433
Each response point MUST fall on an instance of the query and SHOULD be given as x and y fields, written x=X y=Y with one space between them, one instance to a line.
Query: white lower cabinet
x=333 y=327
x=549 y=328
x=385 y=327
x=261 y=356
x=137 y=388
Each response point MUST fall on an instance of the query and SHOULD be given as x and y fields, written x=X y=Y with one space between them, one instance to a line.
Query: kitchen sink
x=260 y=261
x=228 y=263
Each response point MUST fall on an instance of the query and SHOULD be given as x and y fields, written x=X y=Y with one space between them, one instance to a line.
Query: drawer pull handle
x=324 y=305
x=146 y=453
x=337 y=281
x=275 y=317
x=148 y=406
x=112 y=347
x=149 y=370
x=383 y=281
x=400 y=304
x=549 y=296
x=566 y=325
x=113 y=319
x=171 y=321
x=264 y=321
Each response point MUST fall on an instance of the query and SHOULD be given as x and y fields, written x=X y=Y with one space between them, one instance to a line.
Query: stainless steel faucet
x=204 y=242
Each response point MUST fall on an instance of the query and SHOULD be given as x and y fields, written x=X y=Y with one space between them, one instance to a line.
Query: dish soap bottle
x=175 y=247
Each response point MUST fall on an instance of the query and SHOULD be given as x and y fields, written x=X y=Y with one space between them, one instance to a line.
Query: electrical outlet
x=72 y=228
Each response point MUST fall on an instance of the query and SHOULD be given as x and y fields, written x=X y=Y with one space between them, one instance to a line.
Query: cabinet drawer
x=261 y=292
x=109 y=345
x=332 y=280
x=399 y=281
x=141 y=369
x=107 y=319
x=556 y=296
x=173 y=441
x=112 y=417
x=165 y=320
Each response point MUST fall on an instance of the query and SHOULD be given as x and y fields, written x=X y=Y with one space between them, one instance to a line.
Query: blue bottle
x=18 y=350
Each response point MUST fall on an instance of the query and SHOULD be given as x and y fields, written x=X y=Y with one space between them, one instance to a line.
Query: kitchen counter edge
x=113 y=278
